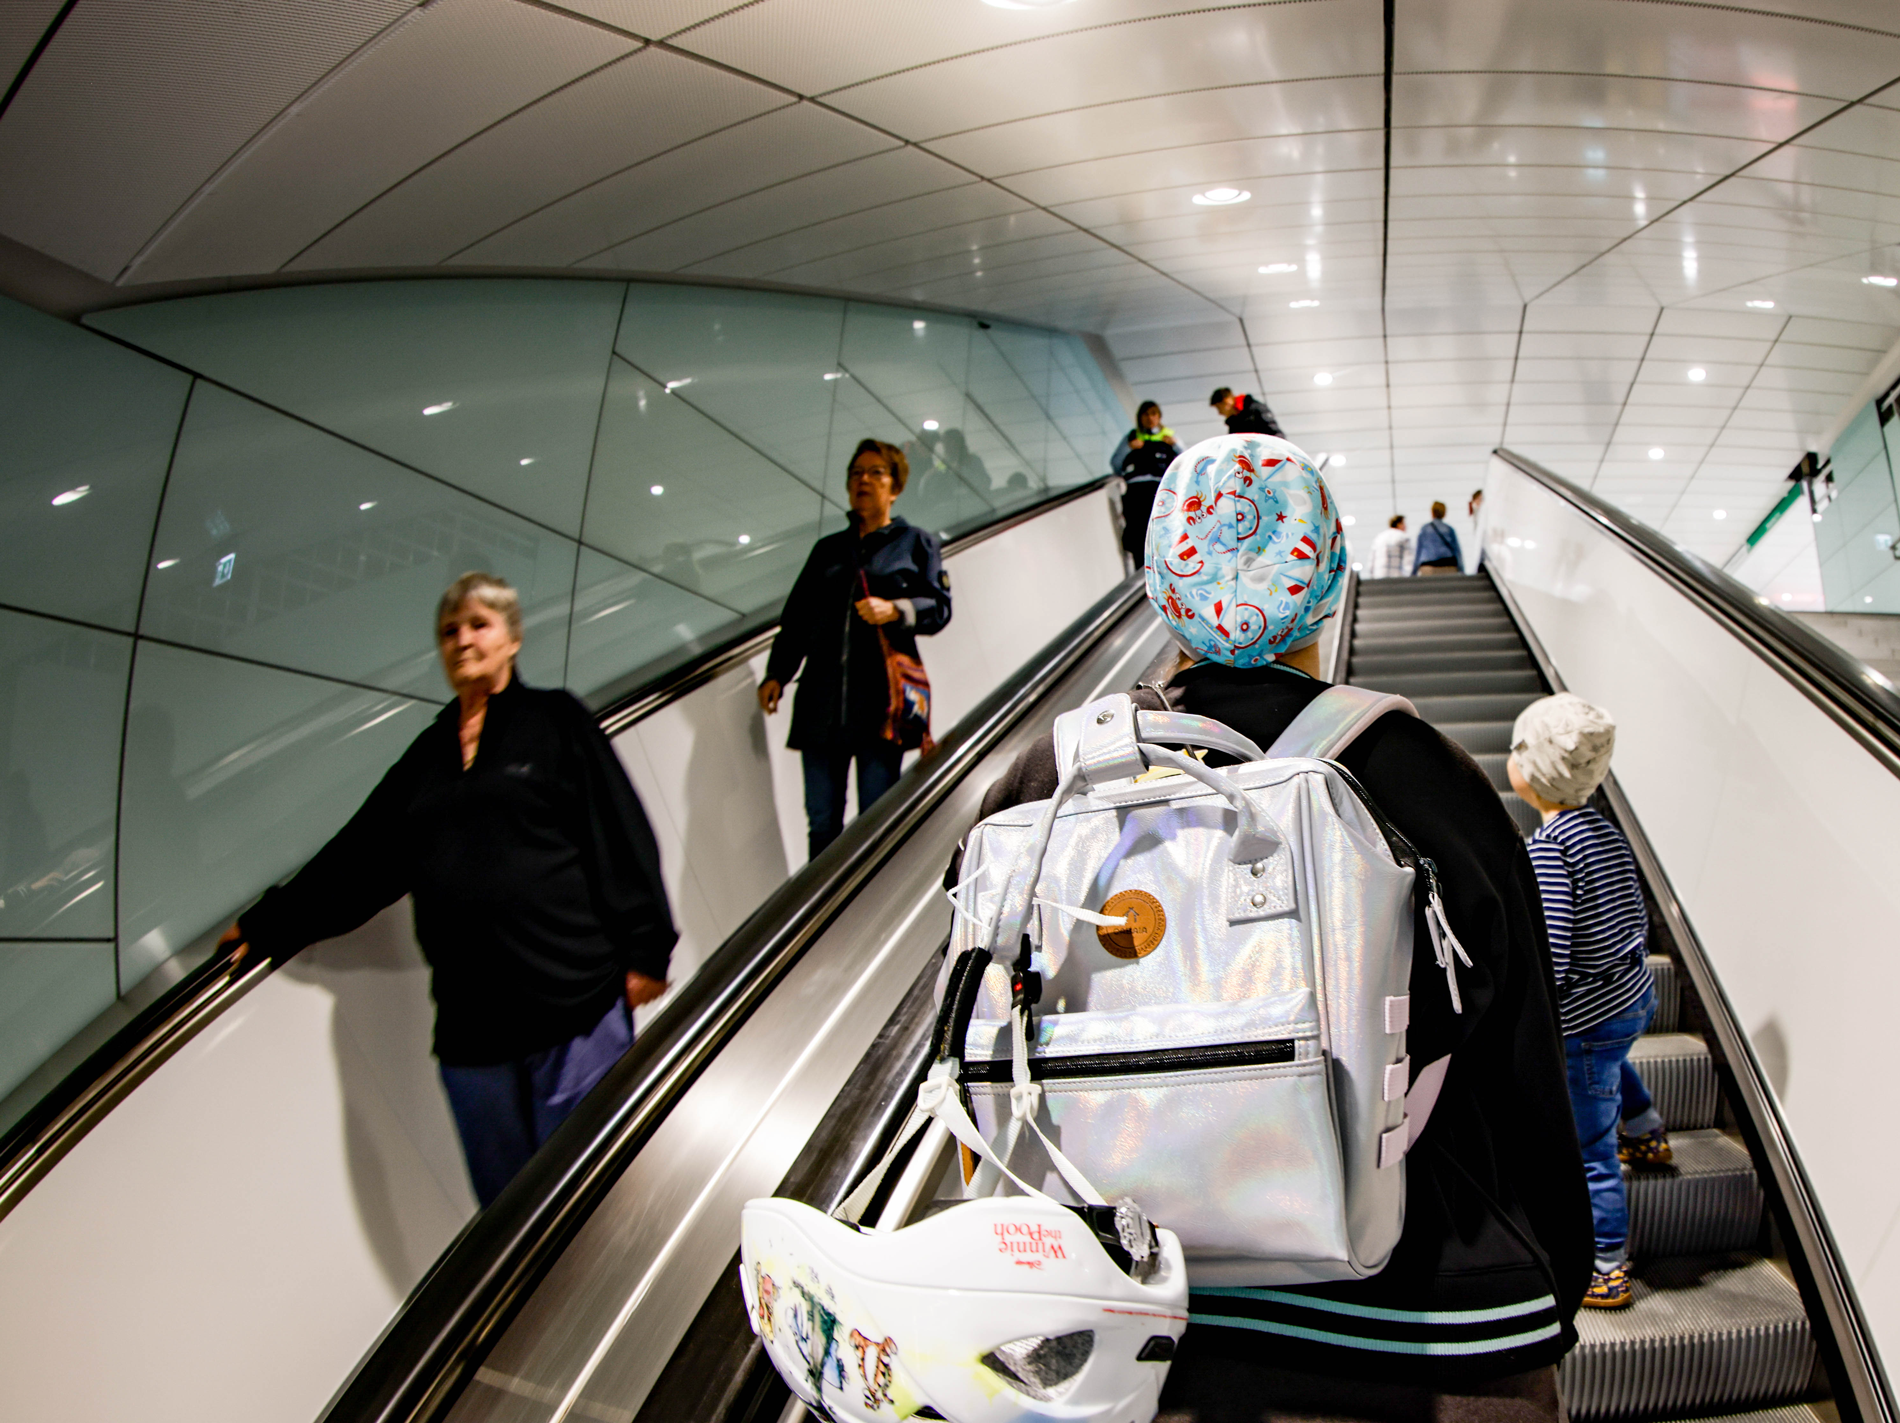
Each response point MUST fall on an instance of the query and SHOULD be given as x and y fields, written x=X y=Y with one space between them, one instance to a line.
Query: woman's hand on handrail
x=235 y=935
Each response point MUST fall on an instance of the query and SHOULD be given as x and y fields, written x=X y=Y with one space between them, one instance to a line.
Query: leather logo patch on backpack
x=1147 y=922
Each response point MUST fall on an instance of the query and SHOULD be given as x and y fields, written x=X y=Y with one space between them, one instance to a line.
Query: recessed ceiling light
x=673 y=385
x=1347 y=520
x=834 y=375
x=1655 y=452
x=1273 y=269
x=1721 y=513
x=1881 y=281
x=930 y=424
x=1296 y=305
x=1696 y=373
x=745 y=539
x=71 y=495
x=1761 y=305
x=439 y=409
x=918 y=325
x=1513 y=541
x=1339 y=461
x=173 y=563
x=1359 y=568
x=366 y=506
x=1222 y=197
x=1322 y=377
x=1868 y=599
x=657 y=489
x=527 y=460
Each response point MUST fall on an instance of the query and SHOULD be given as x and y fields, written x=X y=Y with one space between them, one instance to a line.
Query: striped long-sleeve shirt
x=1593 y=908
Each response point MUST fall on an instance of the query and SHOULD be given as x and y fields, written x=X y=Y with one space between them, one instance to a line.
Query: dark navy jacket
x=843 y=692
x=1252 y=416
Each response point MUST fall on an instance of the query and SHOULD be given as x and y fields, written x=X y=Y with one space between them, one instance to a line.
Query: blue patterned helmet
x=1246 y=556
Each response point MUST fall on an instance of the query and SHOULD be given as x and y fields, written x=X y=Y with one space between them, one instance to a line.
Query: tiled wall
x=1857 y=532
x=222 y=557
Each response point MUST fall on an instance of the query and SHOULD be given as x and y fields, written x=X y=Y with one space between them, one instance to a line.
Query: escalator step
x=1449 y=639
x=1792 y=1413
x=1501 y=659
x=1522 y=816
x=1502 y=706
x=1668 y=994
x=1399 y=620
x=1480 y=737
x=1452 y=684
x=1706 y=1332
x=1494 y=764
x=1680 y=1075
x=1432 y=586
x=1707 y=1200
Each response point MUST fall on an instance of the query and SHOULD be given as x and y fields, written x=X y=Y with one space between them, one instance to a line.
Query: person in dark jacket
x=1437 y=547
x=1141 y=459
x=1477 y=1302
x=1245 y=414
x=535 y=880
x=879 y=574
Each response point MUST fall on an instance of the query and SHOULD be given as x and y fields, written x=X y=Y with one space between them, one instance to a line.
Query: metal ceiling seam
x=1127 y=153
x=1177 y=94
x=464 y=142
x=32 y=59
x=1187 y=13
x=620 y=172
x=1510 y=388
x=1635 y=376
x=257 y=140
x=1768 y=14
x=1715 y=439
x=1791 y=140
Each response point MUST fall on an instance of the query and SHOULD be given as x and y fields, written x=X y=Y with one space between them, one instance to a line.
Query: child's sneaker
x=1650 y=1149
x=1609 y=1290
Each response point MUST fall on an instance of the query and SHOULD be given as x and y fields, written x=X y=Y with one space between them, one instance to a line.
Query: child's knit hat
x=1563 y=745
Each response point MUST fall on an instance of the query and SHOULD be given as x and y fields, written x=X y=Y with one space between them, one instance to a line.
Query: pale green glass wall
x=1856 y=537
x=228 y=518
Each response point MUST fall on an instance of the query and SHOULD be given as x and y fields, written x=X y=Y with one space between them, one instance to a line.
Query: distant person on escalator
x=1599 y=928
x=1438 y=546
x=1244 y=414
x=1392 y=551
x=1469 y=1317
x=1141 y=459
x=880 y=576
x=535 y=880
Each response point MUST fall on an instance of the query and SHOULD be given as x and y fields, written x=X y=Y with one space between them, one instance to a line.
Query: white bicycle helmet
x=996 y=1310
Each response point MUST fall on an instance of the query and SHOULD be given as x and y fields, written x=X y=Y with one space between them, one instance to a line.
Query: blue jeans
x=878 y=767
x=1605 y=1091
x=505 y=1111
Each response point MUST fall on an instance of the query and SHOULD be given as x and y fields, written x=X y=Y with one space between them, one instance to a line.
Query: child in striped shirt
x=1598 y=924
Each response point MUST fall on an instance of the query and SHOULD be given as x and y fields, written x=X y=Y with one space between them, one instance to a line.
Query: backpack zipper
x=1136 y=1064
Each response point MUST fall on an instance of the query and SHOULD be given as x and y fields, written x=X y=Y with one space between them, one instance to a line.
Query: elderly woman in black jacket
x=880 y=574
x=512 y=826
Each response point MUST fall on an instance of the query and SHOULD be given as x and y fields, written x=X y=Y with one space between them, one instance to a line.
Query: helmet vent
x=1040 y=1366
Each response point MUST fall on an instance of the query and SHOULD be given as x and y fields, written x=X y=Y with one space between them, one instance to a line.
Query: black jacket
x=844 y=693
x=534 y=874
x=1252 y=416
x=1497 y=1217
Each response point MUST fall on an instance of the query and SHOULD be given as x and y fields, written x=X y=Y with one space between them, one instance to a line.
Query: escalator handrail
x=437 y=1339
x=1857 y=697
x=57 y=1122
x=1819 y=1255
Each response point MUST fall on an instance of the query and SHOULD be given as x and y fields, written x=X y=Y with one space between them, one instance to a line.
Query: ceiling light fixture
x=173 y=563
x=1221 y=197
x=1322 y=377
x=527 y=460
x=1697 y=374
x=834 y=375
x=744 y=539
x=1339 y=461
x=1655 y=452
x=1760 y=305
x=930 y=425
x=366 y=506
x=72 y=495
x=439 y=409
x=673 y=385
x=1881 y=281
x=657 y=490
x=1721 y=513
x=918 y=325
x=1296 y=305
x=1347 y=520
x=1273 y=269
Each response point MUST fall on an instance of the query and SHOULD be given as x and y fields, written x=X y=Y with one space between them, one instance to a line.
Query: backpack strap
x=1333 y=720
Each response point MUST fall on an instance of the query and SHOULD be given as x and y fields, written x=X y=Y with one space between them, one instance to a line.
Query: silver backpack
x=1195 y=982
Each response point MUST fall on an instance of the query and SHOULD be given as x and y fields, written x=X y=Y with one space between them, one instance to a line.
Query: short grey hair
x=491 y=590
x=1562 y=745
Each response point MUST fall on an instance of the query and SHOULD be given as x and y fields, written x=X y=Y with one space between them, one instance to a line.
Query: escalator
x=627 y=1308
x=1718 y=1325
